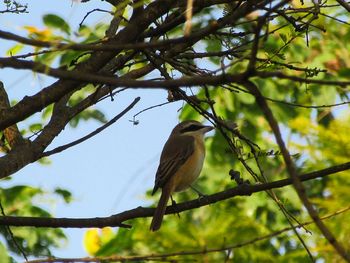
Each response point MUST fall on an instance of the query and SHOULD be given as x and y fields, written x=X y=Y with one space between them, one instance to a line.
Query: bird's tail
x=161 y=207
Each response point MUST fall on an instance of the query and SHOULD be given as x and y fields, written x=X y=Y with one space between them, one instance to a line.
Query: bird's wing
x=175 y=153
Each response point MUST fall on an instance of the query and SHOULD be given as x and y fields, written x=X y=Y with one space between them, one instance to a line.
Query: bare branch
x=98 y=130
x=182 y=253
x=12 y=133
x=344 y=4
x=118 y=219
x=280 y=75
x=293 y=173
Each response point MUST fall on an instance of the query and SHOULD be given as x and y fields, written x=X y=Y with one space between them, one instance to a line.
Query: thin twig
x=92 y=11
x=183 y=253
x=308 y=106
x=18 y=246
x=95 y=132
x=151 y=107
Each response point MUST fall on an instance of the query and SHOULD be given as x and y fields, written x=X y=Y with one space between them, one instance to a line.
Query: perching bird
x=180 y=164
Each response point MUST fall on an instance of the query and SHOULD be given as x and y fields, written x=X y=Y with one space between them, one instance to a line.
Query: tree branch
x=22 y=156
x=98 y=59
x=344 y=4
x=182 y=253
x=118 y=219
x=96 y=62
x=95 y=132
x=281 y=75
x=293 y=173
x=12 y=134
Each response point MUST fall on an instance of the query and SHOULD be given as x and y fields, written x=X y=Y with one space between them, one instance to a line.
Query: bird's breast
x=191 y=169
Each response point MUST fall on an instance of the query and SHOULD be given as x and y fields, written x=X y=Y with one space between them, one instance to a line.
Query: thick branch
x=129 y=35
x=21 y=156
x=98 y=60
x=81 y=76
x=12 y=133
x=344 y=4
x=107 y=45
x=118 y=219
x=54 y=93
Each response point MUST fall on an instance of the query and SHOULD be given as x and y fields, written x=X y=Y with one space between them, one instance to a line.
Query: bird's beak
x=207 y=128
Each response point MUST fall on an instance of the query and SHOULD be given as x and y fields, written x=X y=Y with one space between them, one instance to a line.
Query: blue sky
x=110 y=172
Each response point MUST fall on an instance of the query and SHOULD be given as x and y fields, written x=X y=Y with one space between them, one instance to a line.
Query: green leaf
x=214 y=45
x=56 y=22
x=19 y=201
x=284 y=38
x=121 y=241
x=45 y=161
x=35 y=127
x=70 y=58
x=188 y=113
x=47 y=112
x=246 y=98
x=344 y=72
x=87 y=115
x=326 y=96
x=65 y=194
x=15 y=49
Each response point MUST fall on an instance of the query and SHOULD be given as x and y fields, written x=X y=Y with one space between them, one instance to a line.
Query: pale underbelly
x=188 y=173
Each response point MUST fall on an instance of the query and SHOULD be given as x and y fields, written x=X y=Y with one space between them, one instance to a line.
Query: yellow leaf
x=302 y=124
x=106 y=234
x=94 y=238
x=91 y=241
x=298 y=4
x=40 y=34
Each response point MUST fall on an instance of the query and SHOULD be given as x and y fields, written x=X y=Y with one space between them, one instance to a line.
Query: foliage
x=22 y=200
x=94 y=239
x=299 y=50
x=241 y=219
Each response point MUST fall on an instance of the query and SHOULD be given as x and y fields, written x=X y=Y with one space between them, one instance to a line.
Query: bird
x=180 y=164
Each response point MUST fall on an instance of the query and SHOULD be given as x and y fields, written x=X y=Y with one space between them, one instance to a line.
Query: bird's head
x=191 y=127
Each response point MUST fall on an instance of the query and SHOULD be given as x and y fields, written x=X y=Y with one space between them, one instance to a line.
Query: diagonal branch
x=118 y=219
x=95 y=132
x=128 y=35
x=344 y=4
x=20 y=157
x=292 y=171
x=12 y=134
x=97 y=60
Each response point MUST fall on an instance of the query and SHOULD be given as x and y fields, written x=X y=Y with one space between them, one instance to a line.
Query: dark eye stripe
x=192 y=127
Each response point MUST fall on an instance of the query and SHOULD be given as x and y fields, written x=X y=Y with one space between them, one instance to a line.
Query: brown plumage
x=180 y=164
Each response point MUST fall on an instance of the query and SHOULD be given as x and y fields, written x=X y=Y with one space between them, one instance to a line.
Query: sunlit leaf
x=56 y=22
x=14 y=50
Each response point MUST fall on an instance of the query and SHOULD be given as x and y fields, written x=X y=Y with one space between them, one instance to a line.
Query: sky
x=110 y=172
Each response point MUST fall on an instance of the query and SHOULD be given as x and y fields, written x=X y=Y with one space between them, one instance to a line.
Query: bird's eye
x=192 y=127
